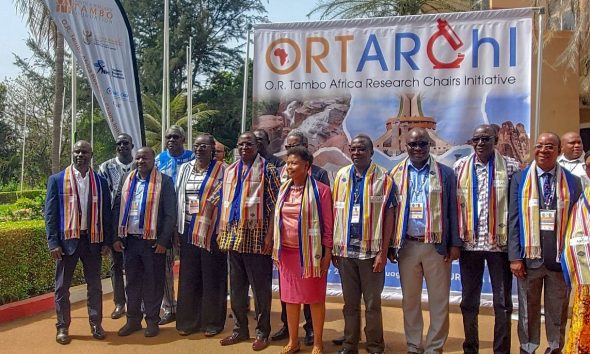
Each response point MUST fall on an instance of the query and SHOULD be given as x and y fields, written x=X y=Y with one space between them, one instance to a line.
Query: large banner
x=447 y=73
x=99 y=35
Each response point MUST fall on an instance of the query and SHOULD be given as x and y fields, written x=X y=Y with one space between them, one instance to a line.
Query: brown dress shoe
x=235 y=338
x=260 y=344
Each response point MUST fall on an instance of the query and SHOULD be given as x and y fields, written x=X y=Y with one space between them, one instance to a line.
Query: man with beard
x=541 y=200
x=482 y=189
x=145 y=207
x=112 y=170
x=427 y=239
x=169 y=162
x=250 y=187
x=78 y=225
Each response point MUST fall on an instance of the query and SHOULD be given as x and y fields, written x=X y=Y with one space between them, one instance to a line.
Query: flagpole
x=74 y=98
x=189 y=93
x=92 y=122
x=539 y=69
x=165 y=89
x=22 y=161
x=245 y=90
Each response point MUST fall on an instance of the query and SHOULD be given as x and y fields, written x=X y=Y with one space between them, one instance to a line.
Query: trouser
x=308 y=326
x=64 y=271
x=472 y=268
x=144 y=270
x=529 y=309
x=255 y=270
x=169 y=302
x=202 y=289
x=117 y=278
x=418 y=261
x=358 y=279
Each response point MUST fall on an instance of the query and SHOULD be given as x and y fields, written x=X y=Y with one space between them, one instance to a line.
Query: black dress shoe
x=347 y=351
x=129 y=328
x=62 y=336
x=152 y=330
x=281 y=334
x=118 y=312
x=97 y=331
x=338 y=341
x=168 y=317
x=308 y=340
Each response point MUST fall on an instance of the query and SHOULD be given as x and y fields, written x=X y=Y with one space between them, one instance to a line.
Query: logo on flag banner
x=99 y=35
x=447 y=73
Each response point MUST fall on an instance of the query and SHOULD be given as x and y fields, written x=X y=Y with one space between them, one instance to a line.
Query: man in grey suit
x=541 y=200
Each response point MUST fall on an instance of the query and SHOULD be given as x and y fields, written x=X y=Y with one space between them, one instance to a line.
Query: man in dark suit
x=77 y=223
x=428 y=240
x=541 y=200
x=144 y=239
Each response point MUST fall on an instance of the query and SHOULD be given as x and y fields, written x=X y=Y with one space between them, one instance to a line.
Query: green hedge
x=11 y=197
x=26 y=268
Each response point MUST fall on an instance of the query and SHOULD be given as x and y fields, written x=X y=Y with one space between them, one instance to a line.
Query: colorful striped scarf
x=467 y=200
x=374 y=194
x=309 y=227
x=203 y=224
x=528 y=199
x=433 y=208
x=576 y=253
x=248 y=189
x=150 y=203
x=70 y=213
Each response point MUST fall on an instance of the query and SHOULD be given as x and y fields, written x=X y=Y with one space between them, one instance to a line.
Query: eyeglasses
x=201 y=146
x=483 y=139
x=418 y=144
x=173 y=136
x=287 y=147
x=548 y=147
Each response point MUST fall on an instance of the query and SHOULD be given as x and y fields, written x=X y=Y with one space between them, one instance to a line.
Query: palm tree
x=43 y=29
x=152 y=113
x=333 y=9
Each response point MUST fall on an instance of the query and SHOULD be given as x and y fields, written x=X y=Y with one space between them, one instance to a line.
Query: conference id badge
x=356 y=214
x=193 y=205
x=134 y=211
x=548 y=220
x=416 y=210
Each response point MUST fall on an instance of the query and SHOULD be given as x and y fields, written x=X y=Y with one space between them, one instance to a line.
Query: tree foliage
x=334 y=9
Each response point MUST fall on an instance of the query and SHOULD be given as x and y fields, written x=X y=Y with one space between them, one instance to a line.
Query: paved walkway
x=37 y=334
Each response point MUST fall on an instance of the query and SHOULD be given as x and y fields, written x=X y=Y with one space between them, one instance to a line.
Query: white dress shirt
x=83 y=190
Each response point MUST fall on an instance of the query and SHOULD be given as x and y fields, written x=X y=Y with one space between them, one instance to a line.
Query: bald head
x=484 y=140
x=144 y=158
x=572 y=146
x=418 y=147
x=82 y=156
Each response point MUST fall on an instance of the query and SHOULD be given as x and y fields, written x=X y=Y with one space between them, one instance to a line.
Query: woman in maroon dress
x=303 y=245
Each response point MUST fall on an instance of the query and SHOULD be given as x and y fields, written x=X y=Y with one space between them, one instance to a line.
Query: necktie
x=546 y=188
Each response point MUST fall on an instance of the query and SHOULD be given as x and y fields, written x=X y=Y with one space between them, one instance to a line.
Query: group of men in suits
x=422 y=214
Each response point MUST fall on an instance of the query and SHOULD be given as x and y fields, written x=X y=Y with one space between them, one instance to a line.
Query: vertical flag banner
x=447 y=73
x=99 y=35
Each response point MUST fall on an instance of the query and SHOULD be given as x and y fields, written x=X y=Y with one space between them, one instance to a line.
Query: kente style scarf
x=203 y=224
x=308 y=229
x=433 y=209
x=70 y=213
x=575 y=260
x=528 y=199
x=243 y=194
x=374 y=194
x=150 y=202
x=467 y=200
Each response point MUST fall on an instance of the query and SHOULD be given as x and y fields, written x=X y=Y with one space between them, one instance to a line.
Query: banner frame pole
x=74 y=95
x=164 y=76
x=189 y=94
x=22 y=161
x=91 y=123
x=245 y=89
x=541 y=12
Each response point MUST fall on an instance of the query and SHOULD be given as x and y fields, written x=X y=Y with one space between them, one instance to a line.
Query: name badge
x=134 y=211
x=193 y=204
x=416 y=211
x=547 y=220
x=356 y=214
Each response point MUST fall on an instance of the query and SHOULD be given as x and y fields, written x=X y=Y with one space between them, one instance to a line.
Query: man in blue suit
x=77 y=223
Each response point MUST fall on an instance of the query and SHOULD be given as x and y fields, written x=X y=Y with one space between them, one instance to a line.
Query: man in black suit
x=144 y=240
x=77 y=223
x=538 y=195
